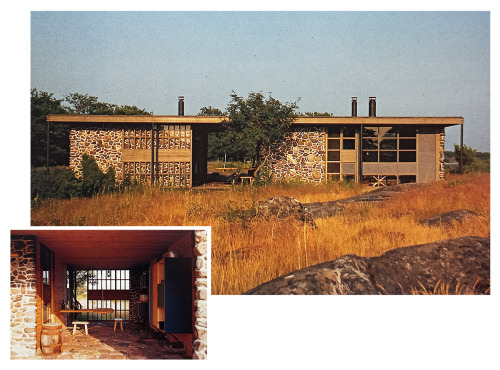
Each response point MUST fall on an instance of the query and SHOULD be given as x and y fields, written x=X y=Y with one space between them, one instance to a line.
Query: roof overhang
x=112 y=249
x=216 y=121
x=423 y=121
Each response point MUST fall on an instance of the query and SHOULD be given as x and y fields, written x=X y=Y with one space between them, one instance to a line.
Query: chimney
x=354 y=106
x=181 y=105
x=372 y=107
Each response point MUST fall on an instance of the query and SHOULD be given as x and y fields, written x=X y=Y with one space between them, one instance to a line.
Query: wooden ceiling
x=112 y=249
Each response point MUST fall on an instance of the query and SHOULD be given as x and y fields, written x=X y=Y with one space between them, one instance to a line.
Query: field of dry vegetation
x=247 y=252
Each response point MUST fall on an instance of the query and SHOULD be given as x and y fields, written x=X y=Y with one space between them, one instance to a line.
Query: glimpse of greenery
x=42 y=104
x=56 y=183
x=87 y=104
x=472 y=160
x=252 y=126
x=94 y=181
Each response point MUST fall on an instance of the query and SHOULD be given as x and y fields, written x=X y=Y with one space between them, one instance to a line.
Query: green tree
x=256 y=123
x=472 y=161
x=87 y=104
x=42 y=104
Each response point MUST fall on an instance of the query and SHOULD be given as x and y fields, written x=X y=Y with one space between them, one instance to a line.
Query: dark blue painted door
x=178 y=295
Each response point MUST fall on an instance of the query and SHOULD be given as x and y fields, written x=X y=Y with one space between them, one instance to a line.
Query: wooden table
x=224 y=169
x=94 y=310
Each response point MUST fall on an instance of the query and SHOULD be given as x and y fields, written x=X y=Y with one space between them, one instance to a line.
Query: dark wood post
x=462 y=148
x=157 y=167
x=151 y=169
x=48 y=143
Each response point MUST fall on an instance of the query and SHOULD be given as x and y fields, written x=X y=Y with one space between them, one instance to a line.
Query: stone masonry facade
x=200 y=303
x=301 y=156
x=22 y=296
x=104 y=145
x=441 y=154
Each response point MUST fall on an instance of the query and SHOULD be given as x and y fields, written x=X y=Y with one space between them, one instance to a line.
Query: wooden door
x=178 y=295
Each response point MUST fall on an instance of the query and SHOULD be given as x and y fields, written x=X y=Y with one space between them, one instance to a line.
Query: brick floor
x=136 y=342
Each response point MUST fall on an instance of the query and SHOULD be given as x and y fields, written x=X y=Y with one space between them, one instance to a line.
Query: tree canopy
x=252 y=126
x=44 y=103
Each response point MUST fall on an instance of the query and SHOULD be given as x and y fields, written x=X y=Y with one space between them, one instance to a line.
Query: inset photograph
x=108 y=294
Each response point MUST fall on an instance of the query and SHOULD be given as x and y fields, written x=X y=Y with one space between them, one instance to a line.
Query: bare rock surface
x=447 y=219
x=332 y=208
x=460 y=262
x=284 y=207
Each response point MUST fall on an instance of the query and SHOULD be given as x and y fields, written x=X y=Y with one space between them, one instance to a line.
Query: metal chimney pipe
x=372 y=107
x=354 y=106
x=181 y=105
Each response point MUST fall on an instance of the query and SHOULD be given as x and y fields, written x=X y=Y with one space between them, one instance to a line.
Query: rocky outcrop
x=284 y=207
x=462 y=262
x=448 y=218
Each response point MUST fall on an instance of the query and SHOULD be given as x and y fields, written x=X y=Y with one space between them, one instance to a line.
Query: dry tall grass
x=247 y=252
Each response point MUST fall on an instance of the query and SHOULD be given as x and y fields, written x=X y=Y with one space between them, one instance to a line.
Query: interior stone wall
x=301 y=156
x=22 y=296
x=135 y=293
x=200 y=322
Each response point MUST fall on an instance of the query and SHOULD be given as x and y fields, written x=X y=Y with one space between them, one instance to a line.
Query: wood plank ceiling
x=111 y=249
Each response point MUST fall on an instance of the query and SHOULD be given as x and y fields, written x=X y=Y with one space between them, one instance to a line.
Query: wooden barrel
x=51 y=339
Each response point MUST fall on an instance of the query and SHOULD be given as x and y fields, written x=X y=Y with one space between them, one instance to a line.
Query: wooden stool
x=121 y=324
x=75 y=323
x=249 y=178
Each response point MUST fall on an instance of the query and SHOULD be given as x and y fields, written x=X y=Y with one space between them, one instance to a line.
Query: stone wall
x=104 y=145
x=135 y=293
x=22 y=296
x=200 y=323
x=301 y=156
x=441 y=154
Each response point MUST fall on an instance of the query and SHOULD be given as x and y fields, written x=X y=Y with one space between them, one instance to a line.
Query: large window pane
x=370 y=144
x=407 y=143
x=407 y=156
x=349 y=131
x=333 y=155
x=333 y=143
x=348 y=144
x=405 y=131
x=388 y=131
x=370 y=156
x=370 y=131
x=333 y=167
x=334 y=131
x=388 y=156
x=388 y=144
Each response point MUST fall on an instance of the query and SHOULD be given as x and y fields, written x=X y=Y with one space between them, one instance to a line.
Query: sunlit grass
x=247 y=252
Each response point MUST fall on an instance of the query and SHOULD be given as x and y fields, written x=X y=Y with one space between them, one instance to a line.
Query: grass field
x=247 y=252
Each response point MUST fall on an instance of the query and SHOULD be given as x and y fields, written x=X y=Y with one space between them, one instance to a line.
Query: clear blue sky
x=415 y=63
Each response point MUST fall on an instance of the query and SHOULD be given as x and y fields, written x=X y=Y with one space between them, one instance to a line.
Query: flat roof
x=217 y=120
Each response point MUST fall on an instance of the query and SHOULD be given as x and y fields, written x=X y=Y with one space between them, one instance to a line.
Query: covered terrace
x=152 y=281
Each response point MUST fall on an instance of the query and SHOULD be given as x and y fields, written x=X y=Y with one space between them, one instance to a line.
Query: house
x=172 y=150
x=373 y=150
x=157 y=277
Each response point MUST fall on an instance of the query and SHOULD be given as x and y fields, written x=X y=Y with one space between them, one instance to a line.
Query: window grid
x=389 y=144
x=108 y=280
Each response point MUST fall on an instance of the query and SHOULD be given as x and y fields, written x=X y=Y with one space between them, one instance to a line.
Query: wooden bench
x=121 y=324
x=75 y=323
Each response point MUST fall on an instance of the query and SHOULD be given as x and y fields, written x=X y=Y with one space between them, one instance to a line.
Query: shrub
x=94 y=181
x=57 y=182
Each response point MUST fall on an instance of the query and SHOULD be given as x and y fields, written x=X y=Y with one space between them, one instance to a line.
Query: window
x=108 y=280
x=340 y=138
x=121 y=309
x=389 y=144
